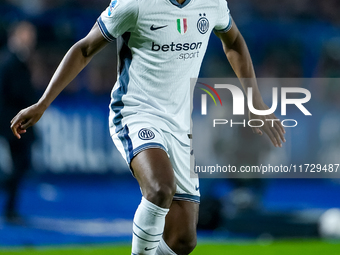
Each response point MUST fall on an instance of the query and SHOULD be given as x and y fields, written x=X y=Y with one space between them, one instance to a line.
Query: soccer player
x=161 y=46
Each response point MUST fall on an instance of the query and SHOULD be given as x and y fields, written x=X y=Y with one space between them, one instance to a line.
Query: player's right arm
x=79 y=55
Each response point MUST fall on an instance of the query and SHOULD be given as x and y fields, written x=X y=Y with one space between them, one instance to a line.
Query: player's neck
x=180 y=1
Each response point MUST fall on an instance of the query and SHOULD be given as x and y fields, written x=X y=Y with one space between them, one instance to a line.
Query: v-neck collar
x=174 y=2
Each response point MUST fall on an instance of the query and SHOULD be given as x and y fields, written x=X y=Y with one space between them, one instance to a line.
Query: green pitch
x=276 y=248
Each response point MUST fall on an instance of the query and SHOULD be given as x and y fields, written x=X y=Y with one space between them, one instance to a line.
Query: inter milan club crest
x=146 y=134
x=203 y=24
x=182 y=26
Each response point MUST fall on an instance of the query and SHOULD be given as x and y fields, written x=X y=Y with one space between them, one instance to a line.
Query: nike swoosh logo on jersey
x=153 y=28
x=197 y=188
x=149 y=249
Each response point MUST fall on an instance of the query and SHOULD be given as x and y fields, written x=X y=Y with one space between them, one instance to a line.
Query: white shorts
x=138 y=136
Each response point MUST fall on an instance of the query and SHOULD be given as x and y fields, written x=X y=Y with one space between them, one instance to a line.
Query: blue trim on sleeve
x=187 y=197
x=104 y=30
x=225 y=29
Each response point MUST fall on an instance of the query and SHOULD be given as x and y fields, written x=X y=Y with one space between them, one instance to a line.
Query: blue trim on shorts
x=187 y=197
x=147 y=146
x=104 y=30
x=124 y=137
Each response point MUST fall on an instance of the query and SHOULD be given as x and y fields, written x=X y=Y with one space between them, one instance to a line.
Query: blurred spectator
x=329 y=62
x=329 y=10
x=16 y=92
x=282 y=59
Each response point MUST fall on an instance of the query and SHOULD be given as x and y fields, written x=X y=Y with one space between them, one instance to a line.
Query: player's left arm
x=236 y=50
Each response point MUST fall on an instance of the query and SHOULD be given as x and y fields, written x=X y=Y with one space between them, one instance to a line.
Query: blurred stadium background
x=80 y=192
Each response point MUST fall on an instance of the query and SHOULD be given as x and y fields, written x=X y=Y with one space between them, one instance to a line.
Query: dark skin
x=238 y=56
x=152 y=167
x=154 y=173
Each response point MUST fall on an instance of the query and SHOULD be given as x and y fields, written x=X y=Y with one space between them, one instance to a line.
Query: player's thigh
x=143 y=147
x=181 y=225
x=180 y=158
x=154 y=173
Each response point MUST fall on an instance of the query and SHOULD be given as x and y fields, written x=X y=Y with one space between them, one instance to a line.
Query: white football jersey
x=161 y=46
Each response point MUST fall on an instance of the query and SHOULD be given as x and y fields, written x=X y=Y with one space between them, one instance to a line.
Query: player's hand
x=26 y=118
x=273 y=129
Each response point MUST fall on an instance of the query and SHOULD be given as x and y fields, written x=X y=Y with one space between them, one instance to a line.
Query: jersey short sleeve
x=224 y=21
x=119 y=17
